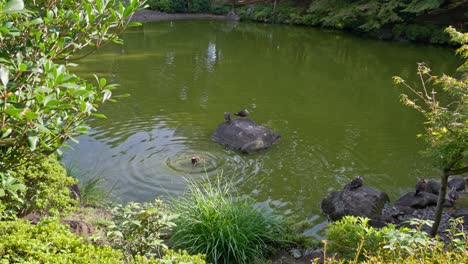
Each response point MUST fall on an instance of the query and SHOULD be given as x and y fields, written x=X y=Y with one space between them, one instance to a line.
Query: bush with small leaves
x=10 y=196
x=354 y=240
x=346 y=235
x=139 y=228
x=172 y=257
x=47 y=185
x=49 y=242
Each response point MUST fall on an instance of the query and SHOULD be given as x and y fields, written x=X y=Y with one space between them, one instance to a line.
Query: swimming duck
x=242 y=113
x=195 y=160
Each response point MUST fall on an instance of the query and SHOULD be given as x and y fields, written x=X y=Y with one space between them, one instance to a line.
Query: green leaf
x=4 y=30
x=99 y=115
x=12 y=111
x=134 y=24
x=2 y=192
x=4 y=72
x=36 y=21
x=32 y=139
x=14 y=6
x=7 y=133
x=23 y=67
x=31 y=115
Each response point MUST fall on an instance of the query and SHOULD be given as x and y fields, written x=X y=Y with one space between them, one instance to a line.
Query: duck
x=195 y=160
x=356 y=183
x=227 y=116
x=453 y=195
x=242 y=113
x=420 y=187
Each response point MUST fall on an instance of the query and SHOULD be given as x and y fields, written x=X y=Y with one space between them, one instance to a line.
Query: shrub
x=42 y=103
x=179 y=6
x=46 y=184
x=225 y=228
x=220 y=9
x=348 y=234
x=161 y=5
x=172 y=257
x=10 y=200
x=139 y=229
x=353 y=239
x=49 y=242
x=199 y=6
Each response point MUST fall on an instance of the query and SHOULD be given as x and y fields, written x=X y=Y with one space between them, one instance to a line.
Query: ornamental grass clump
x=227 y=229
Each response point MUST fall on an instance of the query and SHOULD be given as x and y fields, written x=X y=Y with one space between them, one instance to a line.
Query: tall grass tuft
x=93 y=188
x=227 y=229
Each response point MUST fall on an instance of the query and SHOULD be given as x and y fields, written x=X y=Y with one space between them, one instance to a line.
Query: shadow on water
x=329 y=95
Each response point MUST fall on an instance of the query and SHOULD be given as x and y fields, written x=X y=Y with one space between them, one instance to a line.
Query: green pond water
x=329 y=94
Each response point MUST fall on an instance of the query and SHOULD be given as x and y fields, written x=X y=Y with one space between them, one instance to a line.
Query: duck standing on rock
x=453 y=195
x=227 y=116
x=355 y=183
x=420 y=187
x=242 y=113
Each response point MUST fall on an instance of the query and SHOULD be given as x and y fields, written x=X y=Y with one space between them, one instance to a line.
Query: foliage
x=172 y=257
x=224 y=227
x=47 y=185
x=419 y=6
x=364 y=15
x=354 y=240
x=421 y=33
x=351 y=234
x=180 y=6
x=161 y=5
x=93 y=190
x=199 y=6
x=220 y=9
x=10 y=200
x=139 y=229
x=446 y=118
x=49 y=242
x=42 y=103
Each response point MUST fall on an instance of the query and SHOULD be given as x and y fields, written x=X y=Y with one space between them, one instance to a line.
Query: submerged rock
x=245 y=135
x=362 y=201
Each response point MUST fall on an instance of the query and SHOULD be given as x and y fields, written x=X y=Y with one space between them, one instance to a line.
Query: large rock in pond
x=245 y=135
x=362 y=201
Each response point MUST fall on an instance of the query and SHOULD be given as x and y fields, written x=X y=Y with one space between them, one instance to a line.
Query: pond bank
x=151 y=15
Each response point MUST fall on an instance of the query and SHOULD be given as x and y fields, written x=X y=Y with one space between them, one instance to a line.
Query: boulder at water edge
x=362 y=201
x=422 y=200
x=245 y=135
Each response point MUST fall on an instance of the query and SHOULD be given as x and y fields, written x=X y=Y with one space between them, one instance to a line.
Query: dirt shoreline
x=150 y=15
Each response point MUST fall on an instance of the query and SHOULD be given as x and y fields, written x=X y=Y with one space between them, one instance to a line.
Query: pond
x=329 y=94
